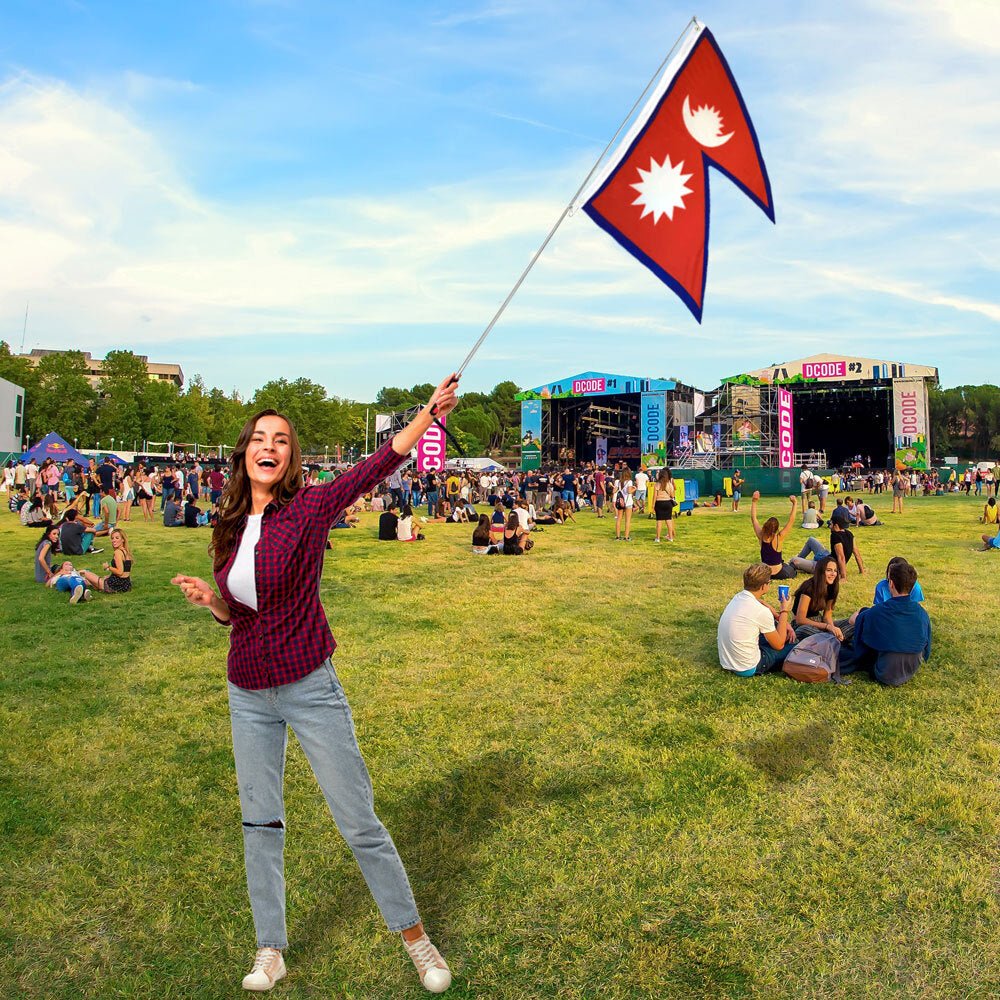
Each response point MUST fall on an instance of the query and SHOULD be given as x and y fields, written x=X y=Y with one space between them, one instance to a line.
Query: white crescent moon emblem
x=704 y=125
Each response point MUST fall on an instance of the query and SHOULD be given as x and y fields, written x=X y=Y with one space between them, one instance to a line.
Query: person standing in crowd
x=267 y=549
x=641 y=486
x=600 y=486
x=664 y=503
x=20 y=476
x=432 y=490
x=31 y=476
x=624 y=501
x=738 y=483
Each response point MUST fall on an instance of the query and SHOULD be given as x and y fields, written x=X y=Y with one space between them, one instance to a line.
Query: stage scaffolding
x=741 y=421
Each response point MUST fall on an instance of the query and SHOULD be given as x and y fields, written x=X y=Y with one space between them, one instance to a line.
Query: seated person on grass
x=481 y=538
x=348 y=519
x=844 y=510
x=991 y=512
x=811 y=519
x=843 y=545
x=173 y=516
x=404 y=528
x=69 y=580
x=991 y=542
x=108 y=511
x=771 y=536
x=75 y=535
x=387 y=523
x=882 y=593
x=814 y=602
x=891 y=639
x=864 y=516
x=442 y=513
x=753 y=638
x=18 y=500
x=32 y=515
x=515 y=538
x=562 y=511
x=191 y=512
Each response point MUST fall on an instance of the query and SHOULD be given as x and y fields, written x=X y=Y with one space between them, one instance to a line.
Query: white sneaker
x=435 y=976
x=268 y=968
x=88 y=595
x=77 y=593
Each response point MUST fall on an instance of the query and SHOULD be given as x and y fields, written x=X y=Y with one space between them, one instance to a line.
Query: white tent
x=479 y=464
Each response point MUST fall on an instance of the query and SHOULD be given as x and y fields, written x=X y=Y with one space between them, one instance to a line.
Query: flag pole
x=531 y=263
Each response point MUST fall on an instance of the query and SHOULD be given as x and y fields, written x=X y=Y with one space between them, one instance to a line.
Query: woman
x=515 y=538
x=267 y=551
x=991 y=512
x=127 y=496
x=663 y=503
x=815 y=600
x=898 y=485
x=481 y=543
x=498 y=522
x=624 y=502
x=47 y=546
x=119 y=570
x=144 y=492
x=404 y=527
x=772 y=536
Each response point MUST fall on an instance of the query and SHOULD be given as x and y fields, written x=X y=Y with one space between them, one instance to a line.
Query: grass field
x=586 y=805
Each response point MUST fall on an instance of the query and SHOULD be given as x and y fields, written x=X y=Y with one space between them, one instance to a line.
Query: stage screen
x=845 y=423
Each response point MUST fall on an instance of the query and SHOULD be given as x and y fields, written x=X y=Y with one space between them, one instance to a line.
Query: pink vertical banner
x=432 y=448
x=786 y=432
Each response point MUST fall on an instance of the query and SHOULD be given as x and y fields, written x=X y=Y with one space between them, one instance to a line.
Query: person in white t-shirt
x=753 y=638
x=805 y=480
x=641 y=485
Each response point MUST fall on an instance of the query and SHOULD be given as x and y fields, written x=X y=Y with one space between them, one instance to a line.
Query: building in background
x=11 y=417
x=95 y=366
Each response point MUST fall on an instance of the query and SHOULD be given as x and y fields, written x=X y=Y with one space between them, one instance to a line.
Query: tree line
x=965 y=421
x=130 y=408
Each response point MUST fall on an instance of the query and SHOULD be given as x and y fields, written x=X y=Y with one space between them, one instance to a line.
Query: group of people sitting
x=71 y=538
x=889 y=640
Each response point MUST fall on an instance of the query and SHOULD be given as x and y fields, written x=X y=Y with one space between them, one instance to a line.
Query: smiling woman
x=268 y=551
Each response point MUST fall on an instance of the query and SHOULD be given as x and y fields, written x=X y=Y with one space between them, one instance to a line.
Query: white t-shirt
x=810 y=518
x=523 y=518
x=742 y=624
x=404 y=529
x=805 y=477
x=641 y=482
x=242 y=580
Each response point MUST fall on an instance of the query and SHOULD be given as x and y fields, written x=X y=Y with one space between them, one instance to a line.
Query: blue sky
x=347 y=191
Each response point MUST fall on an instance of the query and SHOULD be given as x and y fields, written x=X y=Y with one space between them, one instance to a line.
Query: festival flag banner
x=432 y=448
x=653 y=195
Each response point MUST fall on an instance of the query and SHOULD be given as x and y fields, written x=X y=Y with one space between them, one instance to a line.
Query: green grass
x=587 y=806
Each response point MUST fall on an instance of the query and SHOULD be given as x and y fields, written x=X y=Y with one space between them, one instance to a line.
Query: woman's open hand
x=196 y=590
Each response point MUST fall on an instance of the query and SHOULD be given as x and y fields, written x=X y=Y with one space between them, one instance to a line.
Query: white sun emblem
x=662 y=189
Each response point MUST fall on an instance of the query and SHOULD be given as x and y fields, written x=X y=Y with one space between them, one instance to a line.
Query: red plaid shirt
x=288 y=635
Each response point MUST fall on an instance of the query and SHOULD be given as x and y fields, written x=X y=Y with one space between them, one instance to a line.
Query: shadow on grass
x=440 y=829
x=794 y=753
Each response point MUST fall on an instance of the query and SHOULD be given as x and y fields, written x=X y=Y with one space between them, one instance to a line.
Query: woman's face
x=830 y=573
x=269 y=452
x=53 y=535
x=116 y=540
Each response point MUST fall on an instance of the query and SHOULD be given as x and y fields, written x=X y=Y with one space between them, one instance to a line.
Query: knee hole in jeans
x=275 y=824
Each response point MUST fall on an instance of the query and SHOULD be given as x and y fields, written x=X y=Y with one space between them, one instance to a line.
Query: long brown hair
x=236 y=500
x=822 y=595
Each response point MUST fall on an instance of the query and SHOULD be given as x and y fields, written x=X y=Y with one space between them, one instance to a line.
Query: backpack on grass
x=815 y=659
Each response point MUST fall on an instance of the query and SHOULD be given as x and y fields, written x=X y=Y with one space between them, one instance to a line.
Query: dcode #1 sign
x=431 y=450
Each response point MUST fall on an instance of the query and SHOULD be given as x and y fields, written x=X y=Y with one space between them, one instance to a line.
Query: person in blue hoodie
x=882 y=593
x=892 y=639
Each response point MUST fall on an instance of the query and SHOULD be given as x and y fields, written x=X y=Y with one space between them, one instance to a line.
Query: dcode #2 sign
x=431 y=450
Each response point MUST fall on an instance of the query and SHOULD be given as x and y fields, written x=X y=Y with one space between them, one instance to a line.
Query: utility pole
x=24 y=329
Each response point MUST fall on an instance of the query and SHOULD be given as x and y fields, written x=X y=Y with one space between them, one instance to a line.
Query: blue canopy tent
x=53 y=446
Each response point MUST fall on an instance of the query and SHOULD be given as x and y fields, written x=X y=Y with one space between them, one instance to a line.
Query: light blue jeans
x=813 y=547
x=316 y=708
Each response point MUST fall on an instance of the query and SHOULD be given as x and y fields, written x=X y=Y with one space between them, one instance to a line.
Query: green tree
x=476 y=424
x=507 y=410
x=65 y=401
x=119 y=413
x=303 y=402
x=228 y=415
x=159 y=411
x=194 y=414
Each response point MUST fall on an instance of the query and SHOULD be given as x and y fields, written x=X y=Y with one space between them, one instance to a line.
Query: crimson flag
x=652 y=196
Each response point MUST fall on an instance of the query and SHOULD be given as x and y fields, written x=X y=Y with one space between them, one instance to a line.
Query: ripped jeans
x=316 y=708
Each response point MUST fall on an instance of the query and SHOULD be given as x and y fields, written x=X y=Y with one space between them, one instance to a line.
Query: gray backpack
x=814 y=659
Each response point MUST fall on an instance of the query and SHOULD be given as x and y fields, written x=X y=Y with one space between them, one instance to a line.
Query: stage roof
x=842 y=368
x=596 y=384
